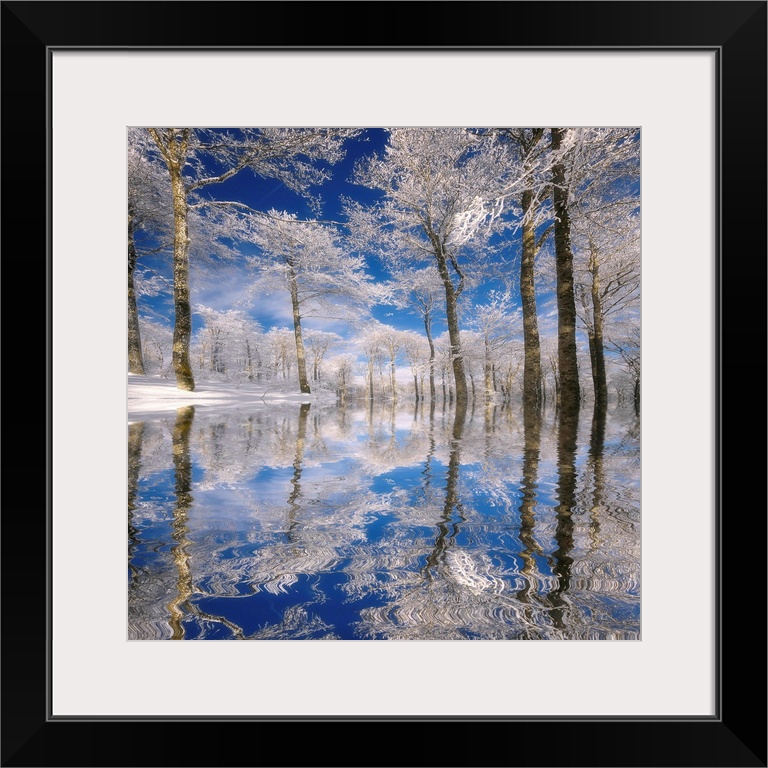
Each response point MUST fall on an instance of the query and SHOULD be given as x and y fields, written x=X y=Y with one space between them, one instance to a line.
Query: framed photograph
x=657 y=680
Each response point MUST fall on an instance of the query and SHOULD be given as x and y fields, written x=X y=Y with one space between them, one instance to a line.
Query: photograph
x=425 y=339
x=384 y=383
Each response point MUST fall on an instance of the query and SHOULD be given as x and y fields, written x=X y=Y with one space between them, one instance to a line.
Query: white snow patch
x=150 y=396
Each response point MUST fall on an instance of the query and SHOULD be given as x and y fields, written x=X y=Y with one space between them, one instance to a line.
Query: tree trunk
x=452 y=316
x=135 y=357
x=531 y=343
x=182 y=327
x=370 y=379
x=597 y=355
x=428 y=330
x=488 y=383
x=566 y=300
x=249 y=360
x=636 y=396
x=300 y=356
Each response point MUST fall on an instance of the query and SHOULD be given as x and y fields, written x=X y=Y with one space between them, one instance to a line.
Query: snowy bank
x=153 y=396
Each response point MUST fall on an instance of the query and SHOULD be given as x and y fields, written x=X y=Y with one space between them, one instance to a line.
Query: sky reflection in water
x=412 y=523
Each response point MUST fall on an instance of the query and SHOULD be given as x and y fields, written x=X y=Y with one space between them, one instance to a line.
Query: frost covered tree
x=562 y=144
x=626 y=342
x=198 y=158
x=530 y=162
x=419 y=355
x=305 y=259
x=342 y=368
x=318 y=343
x=606 y=237
x=495 y=322
x=148 y=212
x=370 y=340
x=420 y=291
x=607 y=285
x=229 y=342
x=439 y=206
x=157 y=343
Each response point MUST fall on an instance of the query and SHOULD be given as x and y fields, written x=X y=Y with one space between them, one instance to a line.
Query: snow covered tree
x=318 y=343
x=562 y=140
x=370 y=341
x=148 y=212
x=342 y=368
x=304 y=259
x=420 y=291
x=626 y=342
x=198 y=158
x=419 y=353
x=229 y=342
x=439 y=206
x=495 y=322
x=157 y=346
x=530 y=160
x=606 y=237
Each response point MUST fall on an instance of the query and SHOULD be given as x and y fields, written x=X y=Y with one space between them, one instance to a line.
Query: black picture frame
x=736 y=735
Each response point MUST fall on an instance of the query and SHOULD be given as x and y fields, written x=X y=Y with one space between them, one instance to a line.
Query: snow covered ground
x=152 y=396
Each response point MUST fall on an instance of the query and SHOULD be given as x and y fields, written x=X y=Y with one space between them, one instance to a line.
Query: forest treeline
x=522 y=243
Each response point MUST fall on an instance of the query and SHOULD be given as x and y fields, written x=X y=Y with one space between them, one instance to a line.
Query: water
x=309 y=522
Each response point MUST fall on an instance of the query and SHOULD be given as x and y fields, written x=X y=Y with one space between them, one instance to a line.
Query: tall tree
x=420 y=290
x=440 y=191
x=529 y=161
x=606 y=235
x=147 y=212
x=198 y=158
x=607 y=285
x=561 y=143
x=305 y=259
x=494 y=321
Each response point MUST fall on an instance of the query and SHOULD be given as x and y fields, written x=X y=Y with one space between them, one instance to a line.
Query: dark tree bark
x=531 y=343
x=528 y=490
x=596 y=336
x=566 y=300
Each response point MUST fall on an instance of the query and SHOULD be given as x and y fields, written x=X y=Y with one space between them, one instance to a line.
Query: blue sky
x=227 y=289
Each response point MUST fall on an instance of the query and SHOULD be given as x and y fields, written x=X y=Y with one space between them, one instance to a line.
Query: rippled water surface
x=308 y=522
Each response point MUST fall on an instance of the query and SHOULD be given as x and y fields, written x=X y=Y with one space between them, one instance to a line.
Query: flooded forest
x=384 y=384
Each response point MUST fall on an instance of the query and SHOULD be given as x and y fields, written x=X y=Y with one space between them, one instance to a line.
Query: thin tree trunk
x=531 y=342
x=430 y=341
x=566 y=300
x=300 y=355
x=452 y=316
x=393 y=378
x=249 y=363
x=599 y=377
x=370 y=379
x=487 y=381
x=135 y=356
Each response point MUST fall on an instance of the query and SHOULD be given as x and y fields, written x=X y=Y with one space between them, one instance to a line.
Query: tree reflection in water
x=304 y=522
